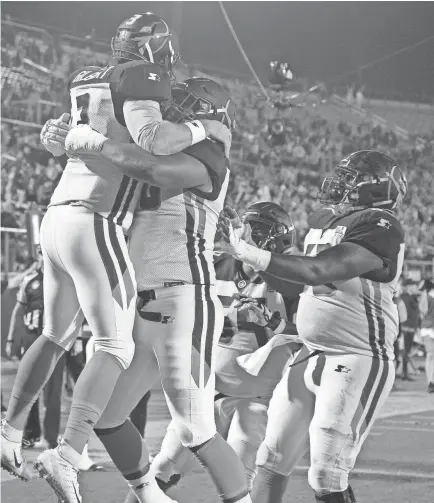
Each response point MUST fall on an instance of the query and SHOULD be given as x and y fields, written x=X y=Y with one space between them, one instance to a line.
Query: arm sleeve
x=142 y=119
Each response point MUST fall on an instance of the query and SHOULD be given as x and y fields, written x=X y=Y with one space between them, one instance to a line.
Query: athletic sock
x=268 y=487
x=224 y=468
x=130 y=455
x=35 y=369
x=92 y=393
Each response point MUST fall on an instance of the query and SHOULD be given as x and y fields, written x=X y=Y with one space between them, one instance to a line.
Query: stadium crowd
x=277 y=155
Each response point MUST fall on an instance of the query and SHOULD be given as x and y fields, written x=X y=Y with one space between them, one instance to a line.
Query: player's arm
x=159 y=137
x=370 y=249
x=287 y=289
x=177 y=170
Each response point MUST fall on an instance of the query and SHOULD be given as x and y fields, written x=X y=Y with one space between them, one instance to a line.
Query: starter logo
x=343 y=369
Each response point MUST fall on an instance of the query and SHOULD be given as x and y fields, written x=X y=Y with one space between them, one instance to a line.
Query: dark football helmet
x=146 y=36
x=272 y=226
x=365 y=179
x=200 y=98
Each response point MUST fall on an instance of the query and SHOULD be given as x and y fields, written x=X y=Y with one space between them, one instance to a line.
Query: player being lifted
x=87 y=268
x=179 y=316
x=254 y=314
x=348 y=322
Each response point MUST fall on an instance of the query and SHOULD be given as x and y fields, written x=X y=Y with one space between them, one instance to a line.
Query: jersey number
x=80 y=115
x=150 y=198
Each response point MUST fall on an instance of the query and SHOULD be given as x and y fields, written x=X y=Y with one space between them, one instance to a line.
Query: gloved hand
x=53 y=134
x=83 y=139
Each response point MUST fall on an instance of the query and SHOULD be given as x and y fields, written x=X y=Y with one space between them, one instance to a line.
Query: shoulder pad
x=320 y=219
x=211 y=154
x=85 y=69
x=375 y=217
x=142 y=80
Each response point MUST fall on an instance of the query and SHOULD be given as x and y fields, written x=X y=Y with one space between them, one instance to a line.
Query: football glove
x=83 y=139
x=53 y=134
x=254 y=311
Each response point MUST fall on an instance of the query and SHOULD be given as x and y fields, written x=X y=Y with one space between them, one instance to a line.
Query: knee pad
x=193 y=435
x=346 y=496
x=271 y=460
x=123 y=351
x=327 y=479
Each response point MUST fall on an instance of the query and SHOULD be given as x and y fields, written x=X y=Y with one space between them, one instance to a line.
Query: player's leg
x=247 y=431
x=63 y=318
x=350 y=390
x=188 y=381
x=286 y=439
x=104 y=279
x=122 y=440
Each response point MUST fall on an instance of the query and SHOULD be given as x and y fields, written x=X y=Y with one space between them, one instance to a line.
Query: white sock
x=147 y=491
x=11 y=433
x=69 y=454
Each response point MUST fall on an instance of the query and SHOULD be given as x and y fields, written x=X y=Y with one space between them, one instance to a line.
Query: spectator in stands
x=410 y=297
x=30 y=307
x=427 y=332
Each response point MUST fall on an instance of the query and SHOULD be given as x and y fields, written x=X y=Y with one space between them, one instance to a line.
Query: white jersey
x=240 y=337
x=172 y=238
x=97 y=98
x=359 y=315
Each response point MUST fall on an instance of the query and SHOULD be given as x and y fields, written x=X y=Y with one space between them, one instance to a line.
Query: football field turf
x=396 y=464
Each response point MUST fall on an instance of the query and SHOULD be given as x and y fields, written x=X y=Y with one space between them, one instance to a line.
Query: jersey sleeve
x=381 y=234
x=142 y=81
x=21 y=294
x=212 y=155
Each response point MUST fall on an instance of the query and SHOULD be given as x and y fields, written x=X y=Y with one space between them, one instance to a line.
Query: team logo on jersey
x=342 y=369
x=340 y=230
x=154 y=76
x=384 y=223
x=35 y=285
x=241 y=284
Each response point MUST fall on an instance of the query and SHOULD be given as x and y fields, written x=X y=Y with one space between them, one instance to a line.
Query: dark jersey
x=98 y=96
x=31 y=296
x=357 y=315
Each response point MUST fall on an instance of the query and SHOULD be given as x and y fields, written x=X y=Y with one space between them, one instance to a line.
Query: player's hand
x=253 y=310
x=218 y=131
x=231 y=238
x=8 y=349
x=53 y=134
x=237 y=222
x=83 y=139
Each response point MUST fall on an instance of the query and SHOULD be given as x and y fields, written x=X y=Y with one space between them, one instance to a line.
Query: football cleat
x=60 y=475
x=12 y=459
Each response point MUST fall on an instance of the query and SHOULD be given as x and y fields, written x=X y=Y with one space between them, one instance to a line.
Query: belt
x=146 y=296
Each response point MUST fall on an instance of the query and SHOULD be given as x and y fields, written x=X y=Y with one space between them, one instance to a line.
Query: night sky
x=320 y=40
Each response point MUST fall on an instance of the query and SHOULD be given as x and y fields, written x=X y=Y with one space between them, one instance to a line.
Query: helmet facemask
x=272 y=236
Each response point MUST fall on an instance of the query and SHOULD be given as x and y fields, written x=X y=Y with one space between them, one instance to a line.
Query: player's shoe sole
x=44 y=474
x=12 y=470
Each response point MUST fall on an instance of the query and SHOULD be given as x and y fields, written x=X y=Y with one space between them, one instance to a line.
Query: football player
x=88 y=271
x=254 y=314
x=348 y=322
x=179 y=316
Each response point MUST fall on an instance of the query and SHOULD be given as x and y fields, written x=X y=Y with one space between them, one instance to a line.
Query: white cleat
x=12 y=459
x=60 y=475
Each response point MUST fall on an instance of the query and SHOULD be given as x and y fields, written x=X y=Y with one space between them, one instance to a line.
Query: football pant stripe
x=380 y=319
x=378 y=393
x=365 y=397
x=103 y=250
x=116 y=235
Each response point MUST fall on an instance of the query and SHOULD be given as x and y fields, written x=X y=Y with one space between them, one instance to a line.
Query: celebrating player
x=346 y=318
x=179 y=316
x=87 y=268
x=254 y=314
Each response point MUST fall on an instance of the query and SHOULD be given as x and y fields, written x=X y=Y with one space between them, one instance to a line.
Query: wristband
x=255 y=257
x=276 y=323
x=197 y=130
